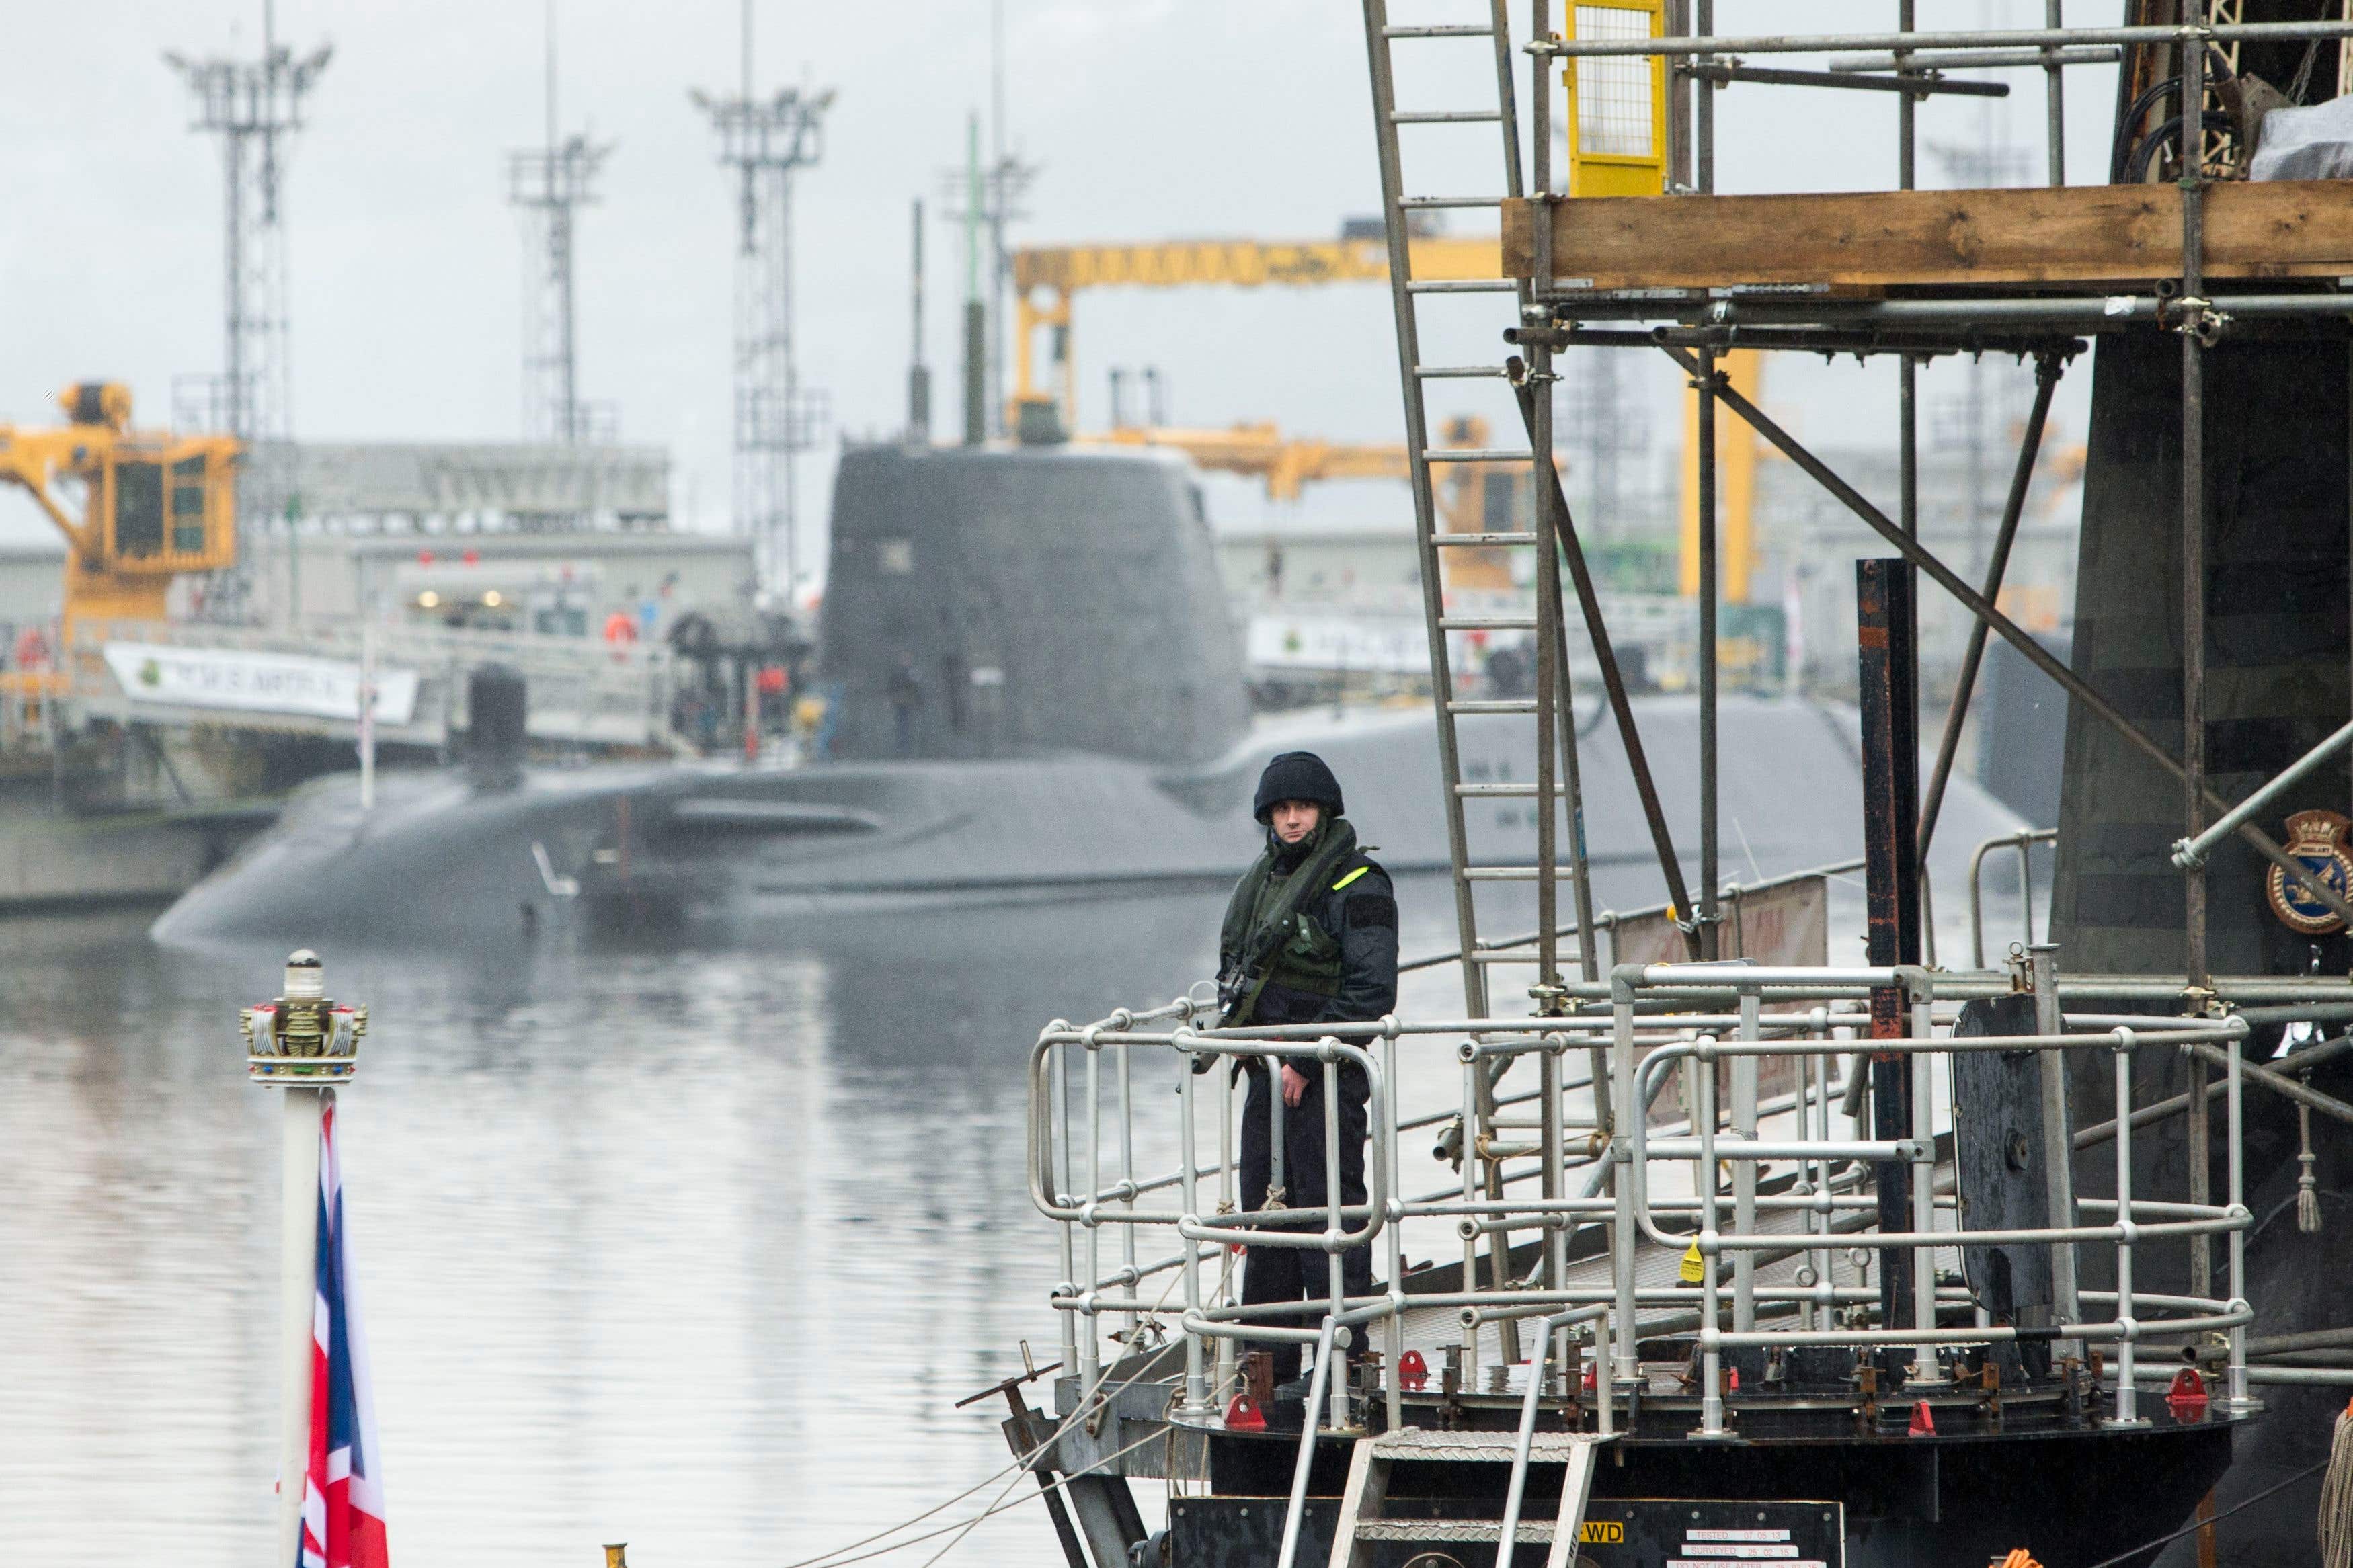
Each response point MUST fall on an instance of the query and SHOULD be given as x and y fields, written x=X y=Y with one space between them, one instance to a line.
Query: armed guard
x=1310 y=937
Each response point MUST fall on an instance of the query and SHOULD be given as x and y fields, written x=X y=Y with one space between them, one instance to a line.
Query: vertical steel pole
x=2240 y=1399
x=1335 y=1273
x=2193 y=614
x=1622 y=1231
x=1197 y=1380
x=2054 y=98
x=1226 y=1348
x=1678 y=99
x=1708 y=913
x=1128 y=1170
x=1907 y=366
x=1705 y=1179
x=1470 y=1072
x=1393 y=1328
x=298 y=1288
x=2193 y=496
x=1058 y=1063
x=1744 y=1171
x=1887 y=673
x=2126 y=1414
x=1923 y=1065
x=1091 y=1355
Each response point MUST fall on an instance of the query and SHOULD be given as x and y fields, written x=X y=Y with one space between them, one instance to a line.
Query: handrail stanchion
x=1393 y=1330
x=1326 y=1344
x=1197 y=1383
x=1090 y=1358
x=2128 y=1327
x=1744 y=1173
x=1127 y=1170
x=1626 y=1364
x=1924 y=1129
x=1469 y=1152
x=1704 y=1184
x=2241 y=1401
x=1335 y=1272
x=1058 y=1125
x=1223 y=1067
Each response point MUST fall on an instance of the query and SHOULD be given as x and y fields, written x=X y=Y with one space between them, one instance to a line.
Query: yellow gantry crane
x=1059 y=272
x=154 y=505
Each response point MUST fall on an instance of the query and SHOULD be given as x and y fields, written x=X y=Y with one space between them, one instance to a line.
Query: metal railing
x=1645 y=1027
x=2023 y=842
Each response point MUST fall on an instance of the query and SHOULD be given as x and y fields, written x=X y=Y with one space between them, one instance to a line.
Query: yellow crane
x=154 y=505
x=1059 y=272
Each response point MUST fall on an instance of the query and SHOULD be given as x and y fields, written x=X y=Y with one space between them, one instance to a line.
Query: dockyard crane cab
x=153 y=504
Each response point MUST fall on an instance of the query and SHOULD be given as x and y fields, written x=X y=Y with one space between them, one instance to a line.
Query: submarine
x=1037 y=693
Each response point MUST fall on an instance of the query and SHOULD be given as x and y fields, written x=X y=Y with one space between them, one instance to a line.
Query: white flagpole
x=298 y=1307
x=367 y=709
x=300 y=1045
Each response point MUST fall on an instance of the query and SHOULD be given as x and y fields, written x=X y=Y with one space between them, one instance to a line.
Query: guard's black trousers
x=1303 y=1273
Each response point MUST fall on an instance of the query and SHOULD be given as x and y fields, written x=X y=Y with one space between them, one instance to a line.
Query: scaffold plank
x=2072 y=234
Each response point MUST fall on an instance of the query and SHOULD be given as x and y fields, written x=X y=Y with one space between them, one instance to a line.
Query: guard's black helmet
x=1297 y=775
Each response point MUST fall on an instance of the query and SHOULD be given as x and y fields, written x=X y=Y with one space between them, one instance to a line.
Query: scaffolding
x=1678 y=268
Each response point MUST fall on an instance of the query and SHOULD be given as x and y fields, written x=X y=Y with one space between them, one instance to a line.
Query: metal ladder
x=1556 y=763
x=1364 y=1520
x=1555 y=783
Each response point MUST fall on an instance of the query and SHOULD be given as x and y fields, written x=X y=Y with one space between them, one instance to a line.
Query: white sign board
x=1399 y=646
x=256 y=682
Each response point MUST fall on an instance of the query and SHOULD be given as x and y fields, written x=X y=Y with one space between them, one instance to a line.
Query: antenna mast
x=254 y=106
x=548 y=184
x=764 y=141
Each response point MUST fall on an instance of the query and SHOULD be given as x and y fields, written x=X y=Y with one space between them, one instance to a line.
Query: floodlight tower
x=254 y=106
x=764 y=140
x=549 y=184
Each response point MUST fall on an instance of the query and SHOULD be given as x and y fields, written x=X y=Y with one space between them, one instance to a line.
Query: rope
x=1088 y=1402
x=2196 y=1525
x=2336 y=1522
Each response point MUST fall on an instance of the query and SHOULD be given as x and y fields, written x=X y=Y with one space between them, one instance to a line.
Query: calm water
x=693 y=1249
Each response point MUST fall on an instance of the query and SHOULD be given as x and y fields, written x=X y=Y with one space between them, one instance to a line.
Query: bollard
x=302 y=1044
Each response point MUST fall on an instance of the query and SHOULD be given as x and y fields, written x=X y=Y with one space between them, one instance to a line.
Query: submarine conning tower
x=985 y=601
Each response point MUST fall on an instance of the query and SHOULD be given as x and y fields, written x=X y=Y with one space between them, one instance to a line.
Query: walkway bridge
x=594 y=695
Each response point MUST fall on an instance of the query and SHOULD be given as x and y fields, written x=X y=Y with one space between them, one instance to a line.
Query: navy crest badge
x=2316 y=840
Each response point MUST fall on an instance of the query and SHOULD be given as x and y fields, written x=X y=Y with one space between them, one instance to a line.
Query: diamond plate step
x=1418 y=1443
x=1538 y=1530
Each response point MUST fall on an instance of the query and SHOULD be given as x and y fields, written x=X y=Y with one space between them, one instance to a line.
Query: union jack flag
x=343 y=1502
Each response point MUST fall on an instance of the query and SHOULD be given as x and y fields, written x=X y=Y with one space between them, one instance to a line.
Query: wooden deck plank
x=2035 y=235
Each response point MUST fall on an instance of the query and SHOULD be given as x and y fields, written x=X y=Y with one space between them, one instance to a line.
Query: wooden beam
x=2074 y=234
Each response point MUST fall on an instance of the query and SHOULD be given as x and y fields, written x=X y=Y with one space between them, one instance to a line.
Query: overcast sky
x=1151 y=119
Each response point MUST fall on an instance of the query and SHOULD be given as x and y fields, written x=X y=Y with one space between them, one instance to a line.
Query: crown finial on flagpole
x=302 y=1037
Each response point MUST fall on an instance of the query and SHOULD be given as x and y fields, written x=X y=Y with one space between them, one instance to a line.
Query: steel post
x=2125 y=1412
x=1744 y=1171
x=1888 y=672
x=2193 y=505
x=1196 y=1377
x=1709 y=913
x=1623 y=1232
x=1704 y=1179
x=1335 y=1275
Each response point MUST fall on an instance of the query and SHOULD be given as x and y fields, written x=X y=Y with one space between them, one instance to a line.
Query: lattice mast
x=764 y=140
x=254 y=106
x=549 y=184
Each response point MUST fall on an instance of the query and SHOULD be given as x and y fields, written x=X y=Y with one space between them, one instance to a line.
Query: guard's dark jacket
x=1296 y=951
x=1337 y=958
